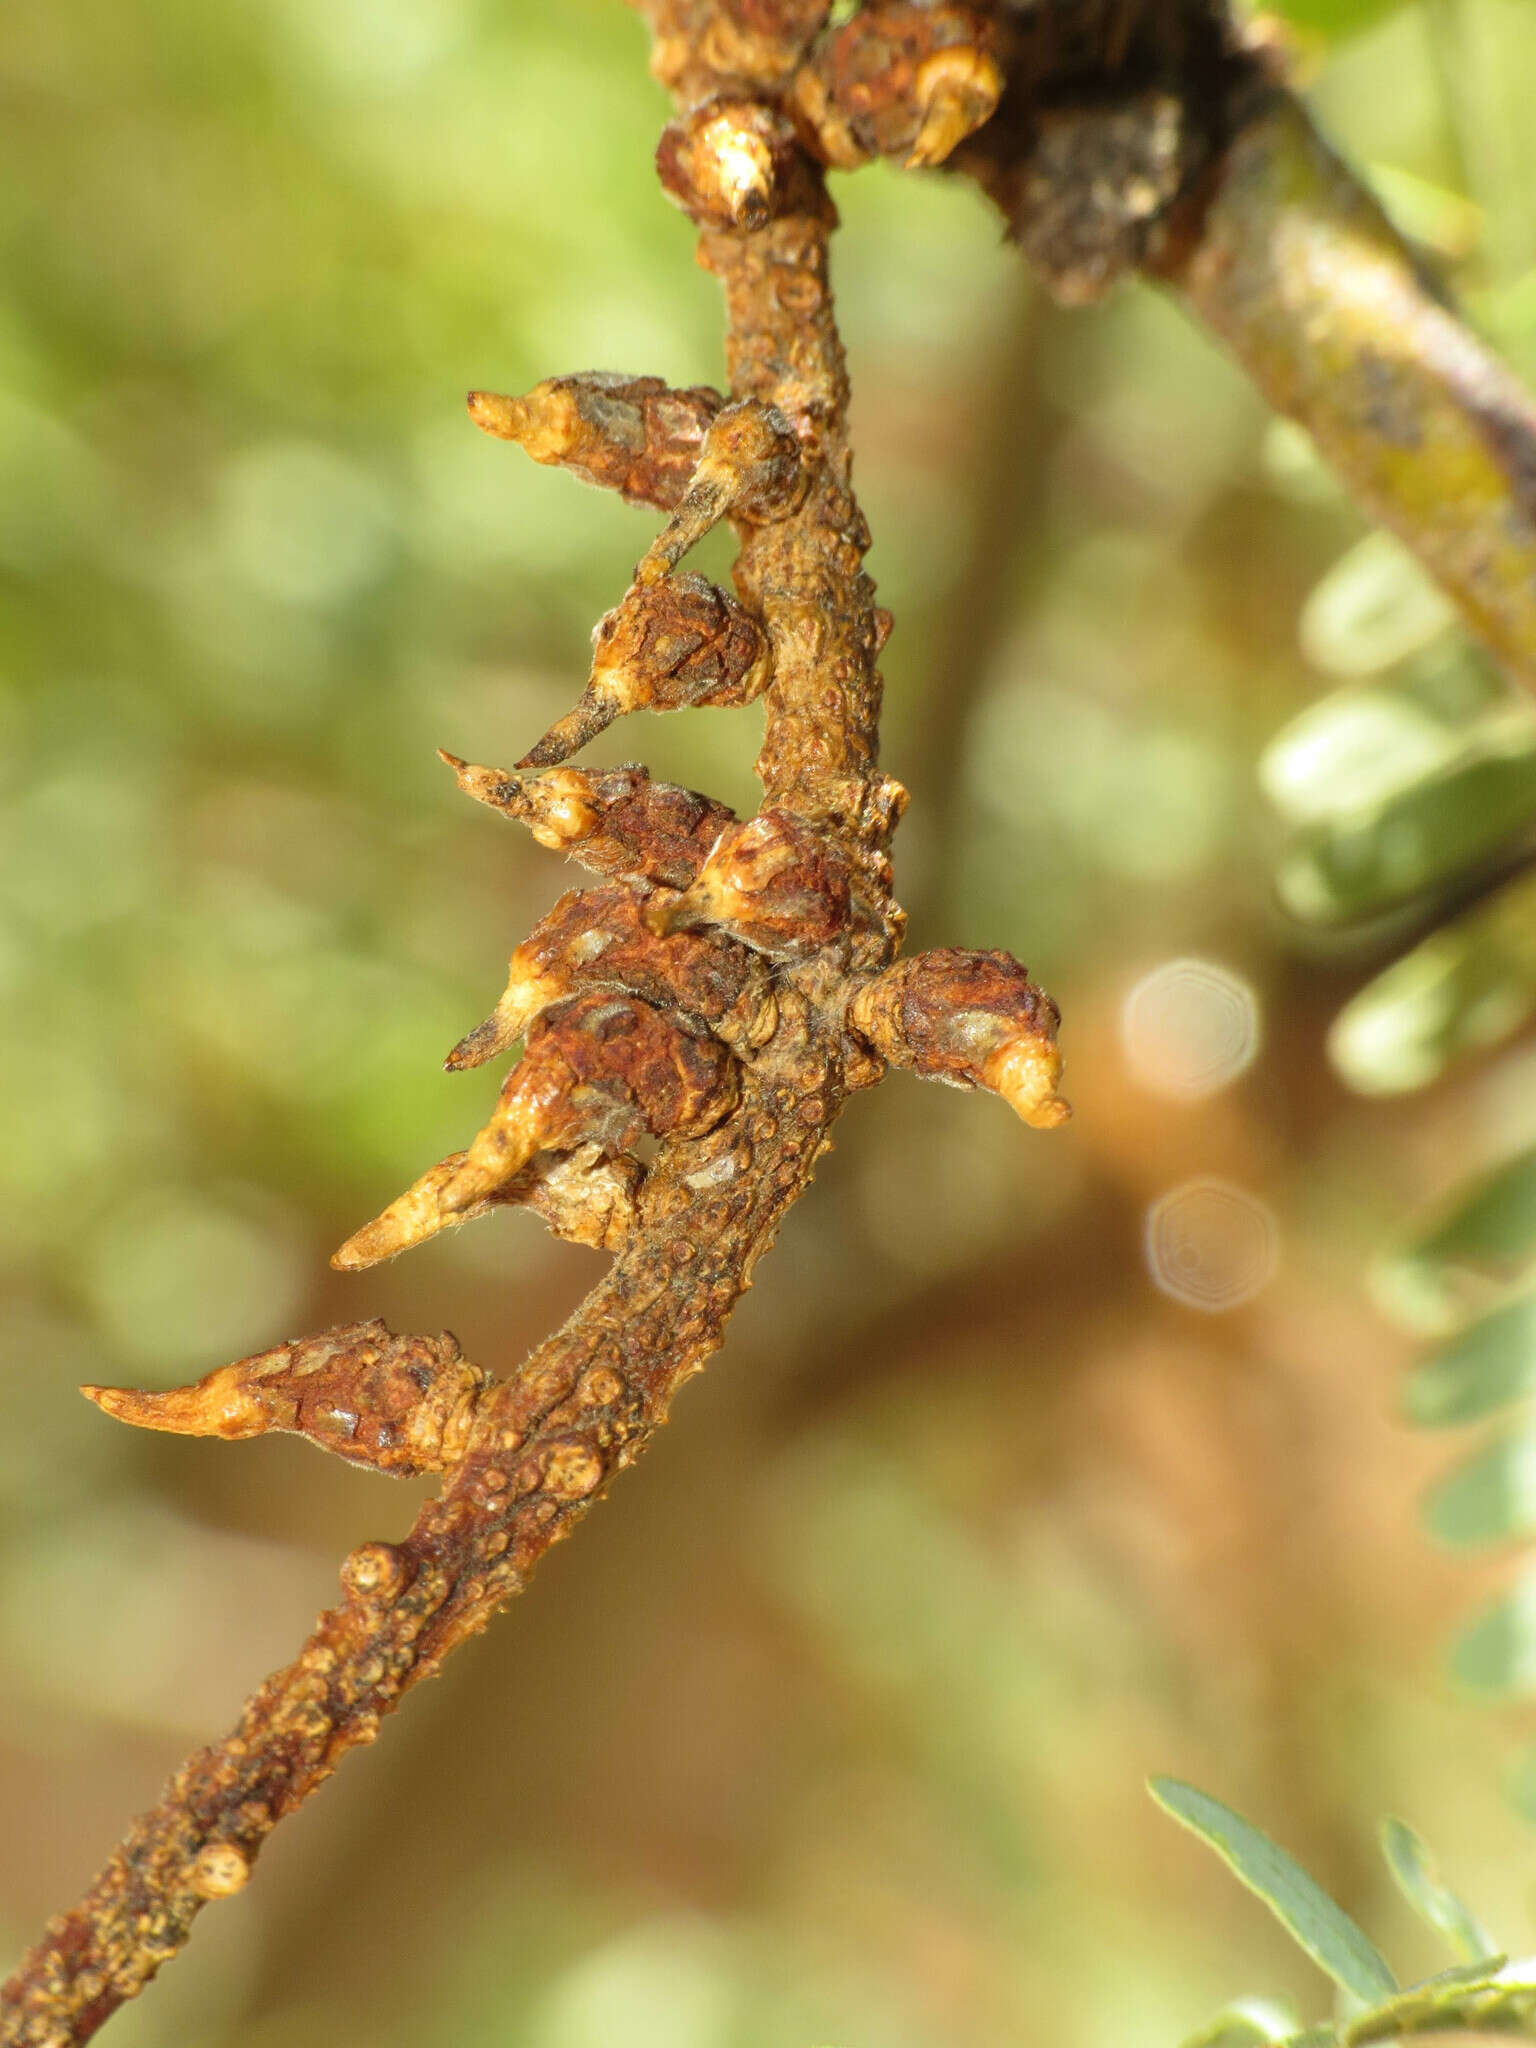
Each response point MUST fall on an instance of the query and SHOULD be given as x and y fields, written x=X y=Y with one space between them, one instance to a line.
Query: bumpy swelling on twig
x=601 y=1069
x=668 y=646
x=722 y=992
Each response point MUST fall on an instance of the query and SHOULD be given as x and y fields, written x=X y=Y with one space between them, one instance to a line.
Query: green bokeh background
x=832 y=1725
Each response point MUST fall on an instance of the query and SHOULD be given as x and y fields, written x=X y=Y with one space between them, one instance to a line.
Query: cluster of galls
x=638 y=1001
x=900 y=80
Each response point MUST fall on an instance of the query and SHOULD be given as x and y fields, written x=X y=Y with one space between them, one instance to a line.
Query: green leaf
x=1497 y=1654
x=1453 y=1999
x=1416 y=840
x=1336 y=17
x=1486 y=1239
x=1351 y=751
x=1468 y=986
x=1520 y=1785
x=1247 y=2023
x=1491 y=1364
x=1489 y=1498
x=1375 y=607
x=1303 y=1908
x=1417 y=1877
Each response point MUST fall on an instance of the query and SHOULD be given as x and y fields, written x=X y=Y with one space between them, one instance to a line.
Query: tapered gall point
x=900 y=80
x=598 y=1069
x=402 y=1405
x=665 y=647
x=749 y=468
x=975 y=1020
x=727 y=163
x=598 y=938
x=617 y=821
x=772 y=882
x=633 y=435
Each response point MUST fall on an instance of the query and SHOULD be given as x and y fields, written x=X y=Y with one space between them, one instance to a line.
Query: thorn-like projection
x=667 y=646
x=773 y=882
x=633 y=435
x=599 y=1069
x=749 y=467
x=403 y=1405
x=975 y=1020
x=957 y=90
x=616 y=821
x=900 y=79
x=598 y=938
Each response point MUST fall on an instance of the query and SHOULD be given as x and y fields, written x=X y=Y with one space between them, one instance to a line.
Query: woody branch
x=724 y=992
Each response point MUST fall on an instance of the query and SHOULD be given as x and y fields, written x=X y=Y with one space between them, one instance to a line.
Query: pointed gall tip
x=477 y=1046
x=593 y=714
x=506 y=418
x=452 y=761
x=217 y=1405
x=355 y=1256
x=1024 y=1072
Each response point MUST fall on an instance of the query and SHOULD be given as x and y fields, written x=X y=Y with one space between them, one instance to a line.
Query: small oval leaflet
x=1298 y=1902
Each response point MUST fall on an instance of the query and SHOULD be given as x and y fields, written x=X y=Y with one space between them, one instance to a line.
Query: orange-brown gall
x=633 y=435
x=900 y=80
x=616 y=821
x=727 y=163
x=598 y=938
x=773 y=882
x=763 y=40
x=669 y=645
x=600 y=1069
x=975 y=1020
x=402 y=1405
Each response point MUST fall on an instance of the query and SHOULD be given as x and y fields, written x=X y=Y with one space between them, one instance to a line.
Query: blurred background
x=1034 y=1463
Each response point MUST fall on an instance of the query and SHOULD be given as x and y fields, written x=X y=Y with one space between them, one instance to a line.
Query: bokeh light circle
x=1211 y=1245
x=1189 y=1028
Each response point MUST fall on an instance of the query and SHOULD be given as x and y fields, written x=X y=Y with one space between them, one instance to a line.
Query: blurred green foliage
x=1483 y=1992
x=831 y=1726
